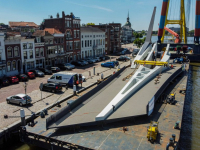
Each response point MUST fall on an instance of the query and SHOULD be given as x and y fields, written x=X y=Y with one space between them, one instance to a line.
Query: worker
x=153 y=56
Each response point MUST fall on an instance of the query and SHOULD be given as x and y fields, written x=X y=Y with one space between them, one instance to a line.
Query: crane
x=177 y=40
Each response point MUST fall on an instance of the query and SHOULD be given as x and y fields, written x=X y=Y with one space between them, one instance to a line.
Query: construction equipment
x=155 y=63
x=181 y=60
x=177 y=40
x=152 y=131
x=171 y=99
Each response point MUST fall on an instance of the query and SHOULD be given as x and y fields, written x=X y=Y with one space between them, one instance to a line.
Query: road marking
x=104 y=140
x=140 y=143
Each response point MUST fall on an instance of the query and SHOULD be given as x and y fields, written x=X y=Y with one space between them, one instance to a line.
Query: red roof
x=22 y=24
x=52 y=31
x=41 y=33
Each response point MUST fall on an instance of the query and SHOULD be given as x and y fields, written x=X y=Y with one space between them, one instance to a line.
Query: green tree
x=90 y=24
x=2 y=24
x=139 y=42
x=137 y=35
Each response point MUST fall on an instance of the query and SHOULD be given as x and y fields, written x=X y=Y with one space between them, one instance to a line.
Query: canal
x=190 y=131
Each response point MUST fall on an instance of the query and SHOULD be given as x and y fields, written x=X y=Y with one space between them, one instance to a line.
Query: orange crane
x=177 y=40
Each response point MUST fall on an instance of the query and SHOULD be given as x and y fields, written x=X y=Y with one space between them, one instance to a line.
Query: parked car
x=98 y=59
x=4 y=81
x=46 y=71
x=63 y=66
x=37 y=73
x=108 y=64
x=13 y=79
x=70 y=65
x=135 y=52
x=53 y=69
x=128 y=58
x=22 y=77
x=65 y=78
x=84 y=62
x=77 y=63
x=31 y=75
x=89 y=61
x=102 y=58
x=92 y=59
x=53 y=87
x=19 y=99
x=122 y=58
x=107 y=57
x=116 y=63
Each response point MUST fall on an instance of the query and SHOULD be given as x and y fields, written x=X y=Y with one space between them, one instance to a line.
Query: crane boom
x=177 y=40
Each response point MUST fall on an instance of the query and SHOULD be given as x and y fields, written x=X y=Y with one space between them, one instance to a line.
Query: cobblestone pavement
x=13 y=111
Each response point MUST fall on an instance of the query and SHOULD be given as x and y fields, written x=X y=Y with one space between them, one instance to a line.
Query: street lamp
x=25 y=86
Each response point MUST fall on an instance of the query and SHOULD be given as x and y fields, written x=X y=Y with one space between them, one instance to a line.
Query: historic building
x=112 y=36
x=127 y=32
x=23 y=26
x=13 y=55
x=70 y=26
x=2 y=56
x=92 y=42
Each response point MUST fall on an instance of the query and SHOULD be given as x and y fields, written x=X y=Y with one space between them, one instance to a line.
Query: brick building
x=13 y=55
x=70 y=26
x=113 y=36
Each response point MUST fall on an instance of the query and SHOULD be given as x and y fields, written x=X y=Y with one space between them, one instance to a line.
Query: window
x=82 y=36
x=30 y=45
x=58 y=40
x=78 y=34
x=25 y=55
x=0 y=43
x=14 y=65
x=9 y=51
x=85 y=44
x=82 y=43
x=70 y=45
x=74 y=33
x=16 y=51
x=61 y=40
x=31 y=54
x=0 y=57
x=53 y=77
x=58 y=77
x=55 y=41
x=8 y=66
x=41 y=51
x=46 y=41
x=38 y=39
x=51 y=41
x=90 y=42
x=24 y=46
x=94 y=36
x=37 y=52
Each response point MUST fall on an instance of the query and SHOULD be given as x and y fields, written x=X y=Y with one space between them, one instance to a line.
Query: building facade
x=2 y=56
x=112 y=36
x=13 y=55
x=28 y=53
x=70 y=26
x=23 y=26
x=92 y=42
x=127 y=32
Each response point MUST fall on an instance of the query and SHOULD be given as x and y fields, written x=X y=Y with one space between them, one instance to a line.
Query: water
x=190 y=40
x=190 y=132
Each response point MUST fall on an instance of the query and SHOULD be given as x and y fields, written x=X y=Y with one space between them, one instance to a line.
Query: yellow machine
x=152 y=131
x=156 y=63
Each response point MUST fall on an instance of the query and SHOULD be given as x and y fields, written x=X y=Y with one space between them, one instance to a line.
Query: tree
x=137 y=35
x=90 y=24
x=2 y=24
x=139 y=42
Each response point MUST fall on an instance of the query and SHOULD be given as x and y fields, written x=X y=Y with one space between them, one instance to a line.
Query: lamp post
x=25 y=86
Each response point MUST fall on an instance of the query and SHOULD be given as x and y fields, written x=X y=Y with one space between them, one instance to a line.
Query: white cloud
x=92 y=6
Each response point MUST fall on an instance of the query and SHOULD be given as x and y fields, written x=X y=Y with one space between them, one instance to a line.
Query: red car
x=13 y=79
x=31 y=75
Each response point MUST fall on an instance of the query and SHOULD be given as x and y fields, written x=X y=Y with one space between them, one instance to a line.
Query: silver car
x=19 y=99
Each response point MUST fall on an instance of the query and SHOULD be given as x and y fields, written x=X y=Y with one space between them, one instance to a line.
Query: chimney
x=51 y=16
x=57 y=15
x=63 y=14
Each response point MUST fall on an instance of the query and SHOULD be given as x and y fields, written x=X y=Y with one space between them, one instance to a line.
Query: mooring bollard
x=74 y=89
x=119 y=66
x=22 y=114
x=94 y=70
x=101 y=75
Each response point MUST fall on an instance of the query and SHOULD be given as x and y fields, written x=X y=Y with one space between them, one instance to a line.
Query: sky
x=95 y=11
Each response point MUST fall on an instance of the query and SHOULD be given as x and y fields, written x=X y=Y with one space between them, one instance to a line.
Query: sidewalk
x=49 y=98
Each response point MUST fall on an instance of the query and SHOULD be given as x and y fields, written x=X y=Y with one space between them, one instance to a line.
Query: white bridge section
x=140 y=78
x=145 y=49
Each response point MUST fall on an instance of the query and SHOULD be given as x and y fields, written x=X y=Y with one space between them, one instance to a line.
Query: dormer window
x=38 y=39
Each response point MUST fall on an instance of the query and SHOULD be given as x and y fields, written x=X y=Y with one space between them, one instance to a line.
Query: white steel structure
x=92 y=42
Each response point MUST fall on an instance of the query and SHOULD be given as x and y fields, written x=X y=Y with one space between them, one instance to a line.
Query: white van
x=65 y=78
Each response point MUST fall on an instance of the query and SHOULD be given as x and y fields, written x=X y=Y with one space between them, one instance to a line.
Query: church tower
x=128 y=23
